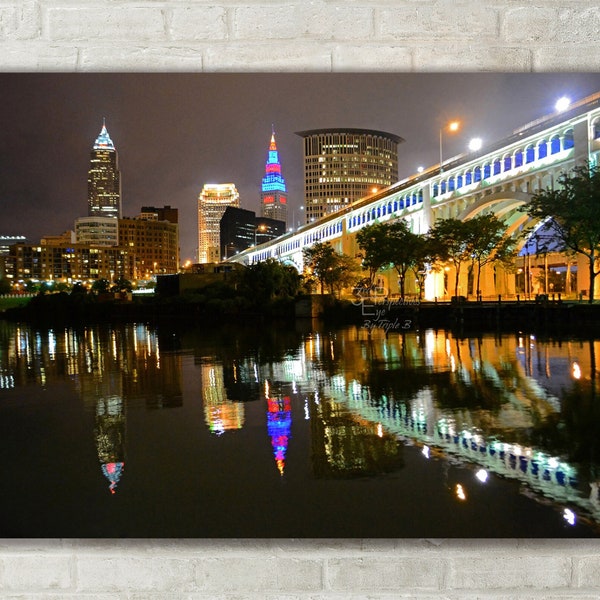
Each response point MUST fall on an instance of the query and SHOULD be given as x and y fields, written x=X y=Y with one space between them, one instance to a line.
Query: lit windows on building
x=343 y=165
x=104 y=178
x=212 y=202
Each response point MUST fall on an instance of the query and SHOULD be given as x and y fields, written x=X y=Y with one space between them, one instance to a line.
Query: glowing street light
x=475 y=144
x=452 y=127
x=562 y=104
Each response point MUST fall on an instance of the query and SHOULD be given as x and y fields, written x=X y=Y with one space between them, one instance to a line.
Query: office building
x=97 y=231
x=273 y=189
x=104 y=178
x=212 y=203
x=241 y=229
x=343 y=165
x=152 y=245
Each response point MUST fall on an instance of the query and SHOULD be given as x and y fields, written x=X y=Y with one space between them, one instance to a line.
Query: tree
x=100 y=286
x=451 y=237
x=487 y=243
x=320 y=258
x=373 y=240
x=266 y=280
x=405 y=251
x=5 y=286
x=122 y=285
x=331 y=269
x=573 y=212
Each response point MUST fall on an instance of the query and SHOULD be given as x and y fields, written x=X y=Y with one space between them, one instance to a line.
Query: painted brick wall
x=308 y=35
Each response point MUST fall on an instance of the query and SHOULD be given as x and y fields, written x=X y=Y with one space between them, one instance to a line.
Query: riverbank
x=543 y=316
x=555 y=317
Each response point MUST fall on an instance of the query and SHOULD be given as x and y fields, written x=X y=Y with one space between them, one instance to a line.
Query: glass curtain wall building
x=343 y=165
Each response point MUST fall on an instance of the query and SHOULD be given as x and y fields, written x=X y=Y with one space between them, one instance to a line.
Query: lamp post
x=452 y=127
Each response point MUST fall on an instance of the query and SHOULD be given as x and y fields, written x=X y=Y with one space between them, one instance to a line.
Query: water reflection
x=513 y=406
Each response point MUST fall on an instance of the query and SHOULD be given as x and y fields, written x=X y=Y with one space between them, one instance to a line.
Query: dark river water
x=143 y=431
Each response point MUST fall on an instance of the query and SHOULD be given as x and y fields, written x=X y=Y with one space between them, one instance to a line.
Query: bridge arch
x=500 y=203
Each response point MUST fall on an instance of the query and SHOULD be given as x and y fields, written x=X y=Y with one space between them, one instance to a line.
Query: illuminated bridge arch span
x=498 y=179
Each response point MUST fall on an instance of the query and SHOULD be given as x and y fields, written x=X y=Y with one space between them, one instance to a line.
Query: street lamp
x=451 y=127
x=475 y=144
x=562 y=104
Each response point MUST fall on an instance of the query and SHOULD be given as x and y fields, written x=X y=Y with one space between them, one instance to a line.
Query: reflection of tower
x=110 y=434
x=220 y=413
x=279 y=424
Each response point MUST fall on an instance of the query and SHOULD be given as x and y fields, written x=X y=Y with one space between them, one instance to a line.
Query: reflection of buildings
x=345 y=446
x=110 y=366
x=220 y=413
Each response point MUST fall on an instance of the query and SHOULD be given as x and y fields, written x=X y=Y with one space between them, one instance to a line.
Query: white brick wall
x=307 y=35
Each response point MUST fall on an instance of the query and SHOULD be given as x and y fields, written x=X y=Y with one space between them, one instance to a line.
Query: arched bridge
x=499 y=179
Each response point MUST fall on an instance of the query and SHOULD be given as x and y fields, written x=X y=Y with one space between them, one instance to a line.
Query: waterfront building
x=343 y=165
x=152 y=245
x=6 y=241
x=212 y=203
x=240 y=229
x=104 y=178
x=273 y=195
x=67 y=262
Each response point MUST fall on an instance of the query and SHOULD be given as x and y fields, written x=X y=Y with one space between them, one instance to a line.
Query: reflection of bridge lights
x=380 y=430
x=576 y=371
x=569 y=516
x=460 y=492
x=425 y=451
x=482 y=475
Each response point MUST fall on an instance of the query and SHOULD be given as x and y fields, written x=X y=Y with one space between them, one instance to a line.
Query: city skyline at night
x=176 y=132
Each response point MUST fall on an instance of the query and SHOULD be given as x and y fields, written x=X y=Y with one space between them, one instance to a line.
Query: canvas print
x=299 y=305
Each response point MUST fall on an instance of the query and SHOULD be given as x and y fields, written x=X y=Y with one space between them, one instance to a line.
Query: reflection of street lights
x=452 y=127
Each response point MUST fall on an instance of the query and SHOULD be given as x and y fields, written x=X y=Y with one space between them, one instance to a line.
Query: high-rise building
x=241 y=229
x=212 y=202
x=104 y=178
x=273 y=191
x=343 y=165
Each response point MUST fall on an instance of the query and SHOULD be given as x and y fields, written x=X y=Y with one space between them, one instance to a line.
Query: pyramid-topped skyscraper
x=104 y=178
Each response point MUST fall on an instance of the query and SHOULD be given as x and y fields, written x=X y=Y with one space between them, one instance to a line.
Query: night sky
x=176 y=132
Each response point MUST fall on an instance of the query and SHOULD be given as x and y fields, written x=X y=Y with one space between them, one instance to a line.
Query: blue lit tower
x=104 y=178
x=273 y=191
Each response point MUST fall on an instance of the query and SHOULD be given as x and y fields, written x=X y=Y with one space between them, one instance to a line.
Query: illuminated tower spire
x=104 y=178
x=273 y=191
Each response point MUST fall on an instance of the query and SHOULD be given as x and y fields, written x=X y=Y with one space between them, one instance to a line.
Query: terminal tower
x=273 y=191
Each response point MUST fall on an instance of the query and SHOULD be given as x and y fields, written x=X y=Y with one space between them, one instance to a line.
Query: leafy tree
x=100 y=286
x=487 y=243
x=266 y=280
x=451 y=237
x=572 y=210
x=426 y=255
x=78 y=289
x=330 y=269
x=405 y=250
x=319 y=259
x=373 y=240
x=121 y=284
